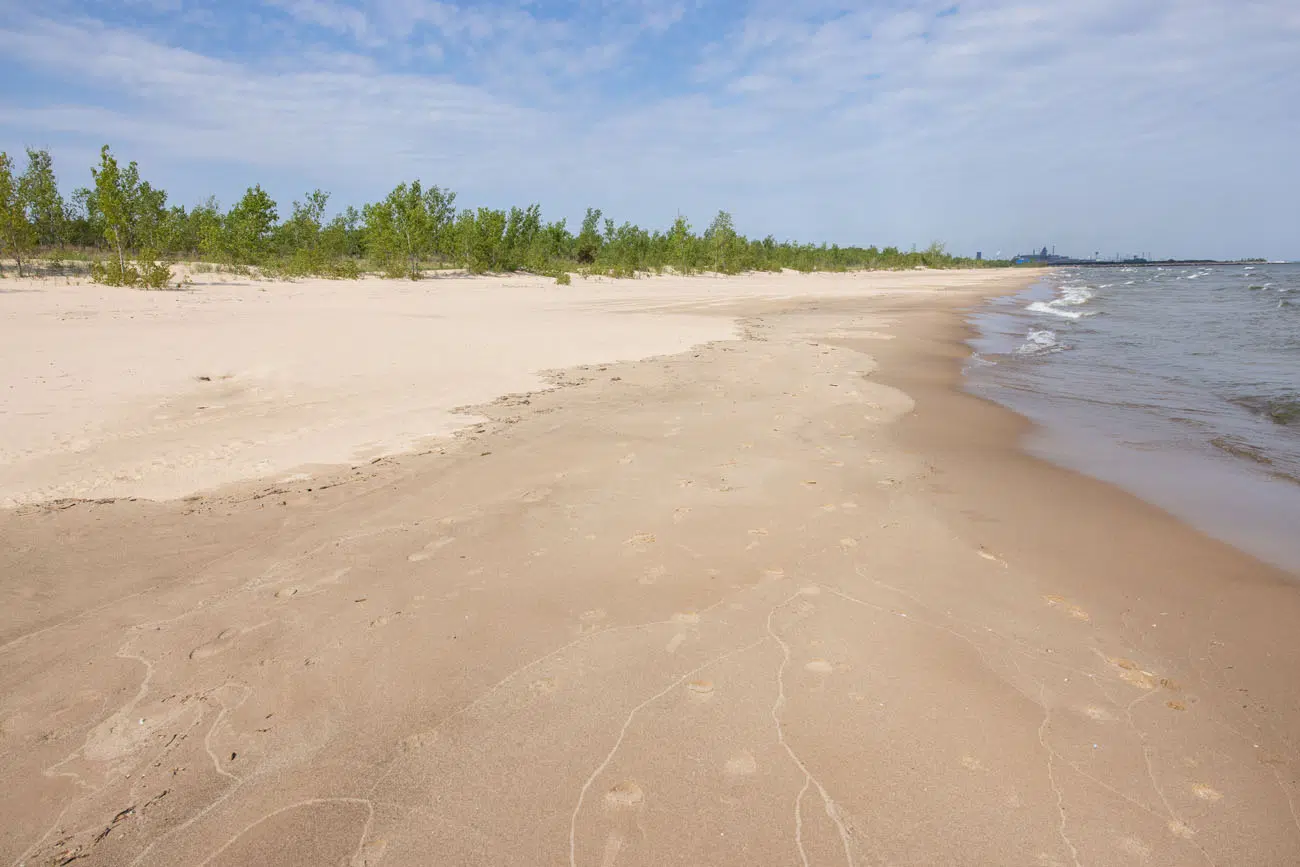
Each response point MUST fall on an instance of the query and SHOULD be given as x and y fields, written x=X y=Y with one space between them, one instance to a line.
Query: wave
x=1239 y=448
x=1046 y=307
x=1071 y=296
x=1038 y=341
x=1284 y=410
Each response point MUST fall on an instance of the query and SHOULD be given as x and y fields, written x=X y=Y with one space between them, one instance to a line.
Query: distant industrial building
x=1044 y=257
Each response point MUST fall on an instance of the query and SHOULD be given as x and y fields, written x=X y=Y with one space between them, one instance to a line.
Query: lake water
x=1181 y=384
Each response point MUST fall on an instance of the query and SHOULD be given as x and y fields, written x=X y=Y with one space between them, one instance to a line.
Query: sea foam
x=1071 y=296
x=1037 y=341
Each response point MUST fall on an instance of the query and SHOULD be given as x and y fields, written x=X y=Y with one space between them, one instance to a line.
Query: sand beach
x=676 y=570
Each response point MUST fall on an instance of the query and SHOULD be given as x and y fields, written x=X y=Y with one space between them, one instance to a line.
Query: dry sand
x=787 y=598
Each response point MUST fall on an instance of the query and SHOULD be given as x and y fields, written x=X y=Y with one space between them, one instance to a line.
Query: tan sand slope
x=745 y=604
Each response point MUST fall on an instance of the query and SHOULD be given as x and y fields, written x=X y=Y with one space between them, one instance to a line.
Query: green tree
x=588 y=243
x=300 y=235
x=722 y=244
x=409 y=223
x=248 y=227
x=486 y=241
x=150 y=228
x=114 y=201
x=17 y=235
x=82 y=224
x=342 y=237
x=553 y=244
x=440 y=205
x=205 y=229
x=132 y=216
x=522 y=228
x=40 y=190
x=680 y=244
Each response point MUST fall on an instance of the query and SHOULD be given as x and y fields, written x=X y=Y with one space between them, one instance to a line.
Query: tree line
x=132 y=234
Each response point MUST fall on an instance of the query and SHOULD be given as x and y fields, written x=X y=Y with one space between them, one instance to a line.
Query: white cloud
x=1083 y=121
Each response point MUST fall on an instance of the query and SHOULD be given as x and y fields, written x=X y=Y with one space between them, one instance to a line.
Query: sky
x=1112 y=126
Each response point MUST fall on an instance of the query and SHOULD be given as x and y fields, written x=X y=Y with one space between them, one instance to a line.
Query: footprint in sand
x=640 y=542
x=626 y=795
x=1098 y=714
x=430 y=549
x=801 y=610
x=413 y=743
x=627 y=459
x=589 y=621
x=221 y=643
x=652 y=574
x=1063 y=604
x=742 y=764
x=680 y=514
x=1130 y=672
x=702 y=689
x=543 y=686
x=1206 y=793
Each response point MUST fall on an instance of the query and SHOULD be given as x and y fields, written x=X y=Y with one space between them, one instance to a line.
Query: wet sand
x=790 y=598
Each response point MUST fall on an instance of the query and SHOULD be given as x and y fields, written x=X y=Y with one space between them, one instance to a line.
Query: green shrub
x=153 y=274
x=563 y=279
x=345 y=269
x=113 y=272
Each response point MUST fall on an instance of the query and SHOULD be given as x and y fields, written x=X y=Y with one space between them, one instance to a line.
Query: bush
x=563 y=279
x=346 y=269
x=153 y=274
x=147 y=273
x=113 y=273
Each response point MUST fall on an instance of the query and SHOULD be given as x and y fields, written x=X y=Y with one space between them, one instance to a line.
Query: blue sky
x=1166 y=126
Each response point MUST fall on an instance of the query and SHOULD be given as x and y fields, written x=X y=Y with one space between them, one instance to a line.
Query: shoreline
x=1094 y=412
x=796 y=590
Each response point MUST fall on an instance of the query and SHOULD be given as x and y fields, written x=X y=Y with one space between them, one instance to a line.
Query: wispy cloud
x=1161 y=125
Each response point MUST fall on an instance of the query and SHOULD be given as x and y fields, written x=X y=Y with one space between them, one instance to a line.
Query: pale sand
x=749 y=603
x=115 y=393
